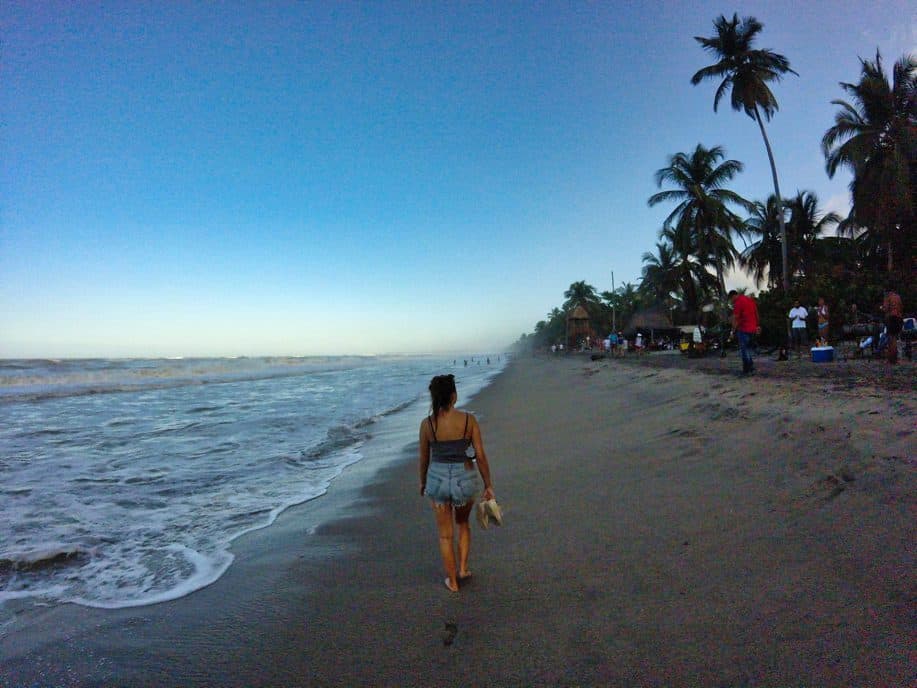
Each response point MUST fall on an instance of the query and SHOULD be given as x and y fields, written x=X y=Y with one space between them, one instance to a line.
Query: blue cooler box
x=822 y=354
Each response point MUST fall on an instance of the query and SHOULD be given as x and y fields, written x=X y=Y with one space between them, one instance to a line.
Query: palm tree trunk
x=783 y=251
x=689 y=291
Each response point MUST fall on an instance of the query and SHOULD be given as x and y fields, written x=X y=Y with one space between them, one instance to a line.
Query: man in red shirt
x=745 y=327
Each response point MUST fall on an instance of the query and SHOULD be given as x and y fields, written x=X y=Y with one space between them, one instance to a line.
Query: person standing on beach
x=823 y=318
x=798 y=315
x=453 y=466
x=744 y=327
x=893 y=308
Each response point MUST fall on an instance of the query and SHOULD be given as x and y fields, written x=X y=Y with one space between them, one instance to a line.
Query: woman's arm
x=424 y=458
x=481 y=458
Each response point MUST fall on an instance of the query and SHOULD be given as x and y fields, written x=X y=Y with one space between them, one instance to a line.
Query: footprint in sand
x=827 y=488
x=449 y=632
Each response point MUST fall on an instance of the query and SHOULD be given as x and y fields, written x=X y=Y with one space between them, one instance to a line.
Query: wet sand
x=664 y=527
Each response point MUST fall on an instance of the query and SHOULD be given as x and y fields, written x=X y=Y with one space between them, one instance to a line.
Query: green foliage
x=875 y=137
x=839 y=289
x=745 y=72
x=697 y=234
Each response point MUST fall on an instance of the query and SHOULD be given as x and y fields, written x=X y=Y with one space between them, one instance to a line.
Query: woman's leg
x=464 y=540
x=446 y=549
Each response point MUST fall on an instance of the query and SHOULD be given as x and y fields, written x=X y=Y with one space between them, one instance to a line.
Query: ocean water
x=124 y=482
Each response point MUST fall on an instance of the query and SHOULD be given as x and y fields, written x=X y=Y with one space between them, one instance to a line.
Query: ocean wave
x=31 y=381
x=43 y=559
x=204 y=409
x=338 y=437
x=395 y=409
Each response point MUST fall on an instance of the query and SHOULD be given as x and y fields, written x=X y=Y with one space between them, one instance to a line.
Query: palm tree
x=702 y=207
x=585 y=295
x=630 y=299
x=660 y=272
x=764 y=254
x=581 y=293
x=876 y=137
x=694 y=280
x=746 y=73
x=806 y=226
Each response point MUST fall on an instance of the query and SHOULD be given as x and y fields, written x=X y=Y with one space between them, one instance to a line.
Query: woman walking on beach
x=451 y=458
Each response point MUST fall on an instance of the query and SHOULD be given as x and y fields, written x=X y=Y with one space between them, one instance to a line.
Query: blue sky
x=313 y=178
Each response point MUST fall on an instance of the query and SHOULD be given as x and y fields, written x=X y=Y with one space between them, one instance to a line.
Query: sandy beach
x=666 y=526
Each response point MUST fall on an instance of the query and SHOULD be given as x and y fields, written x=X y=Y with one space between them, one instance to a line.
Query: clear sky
x=228 y=178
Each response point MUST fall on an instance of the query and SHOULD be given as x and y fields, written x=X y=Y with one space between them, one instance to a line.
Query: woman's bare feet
x=452 y=585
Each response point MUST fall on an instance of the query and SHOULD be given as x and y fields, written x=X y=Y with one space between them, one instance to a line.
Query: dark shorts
x=893 y=324
x=800 y=335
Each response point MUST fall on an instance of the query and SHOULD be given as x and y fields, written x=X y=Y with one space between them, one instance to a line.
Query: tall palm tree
x=764 y=255
x=702 y=207
x=876 y=137
x=746 y=73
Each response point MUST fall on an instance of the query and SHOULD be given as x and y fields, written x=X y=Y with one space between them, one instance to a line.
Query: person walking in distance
x=745 y=327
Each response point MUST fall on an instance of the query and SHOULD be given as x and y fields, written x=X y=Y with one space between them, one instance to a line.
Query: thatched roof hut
x=652 y=321
x=578 y=326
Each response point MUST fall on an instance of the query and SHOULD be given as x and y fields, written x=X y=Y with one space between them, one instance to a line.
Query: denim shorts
x=452 y=483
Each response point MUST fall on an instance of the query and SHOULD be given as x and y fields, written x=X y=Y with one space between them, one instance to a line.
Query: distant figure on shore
x=745 y=327
x=638 y=343
x=893 y=308
x=453 y=470
x=823 y=318
x=800 y=334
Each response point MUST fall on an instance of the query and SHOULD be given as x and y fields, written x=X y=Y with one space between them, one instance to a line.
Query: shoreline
x=638 y=549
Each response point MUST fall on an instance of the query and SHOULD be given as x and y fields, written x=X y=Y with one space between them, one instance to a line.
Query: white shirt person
x=798 y=315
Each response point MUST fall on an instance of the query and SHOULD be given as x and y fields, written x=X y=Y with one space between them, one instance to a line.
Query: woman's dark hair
x=442 y=387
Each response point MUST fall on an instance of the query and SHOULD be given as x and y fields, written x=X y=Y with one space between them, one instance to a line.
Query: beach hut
x=578 y=327
x=656 y=321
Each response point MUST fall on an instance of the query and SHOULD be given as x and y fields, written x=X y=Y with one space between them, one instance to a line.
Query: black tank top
x=451 y=451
